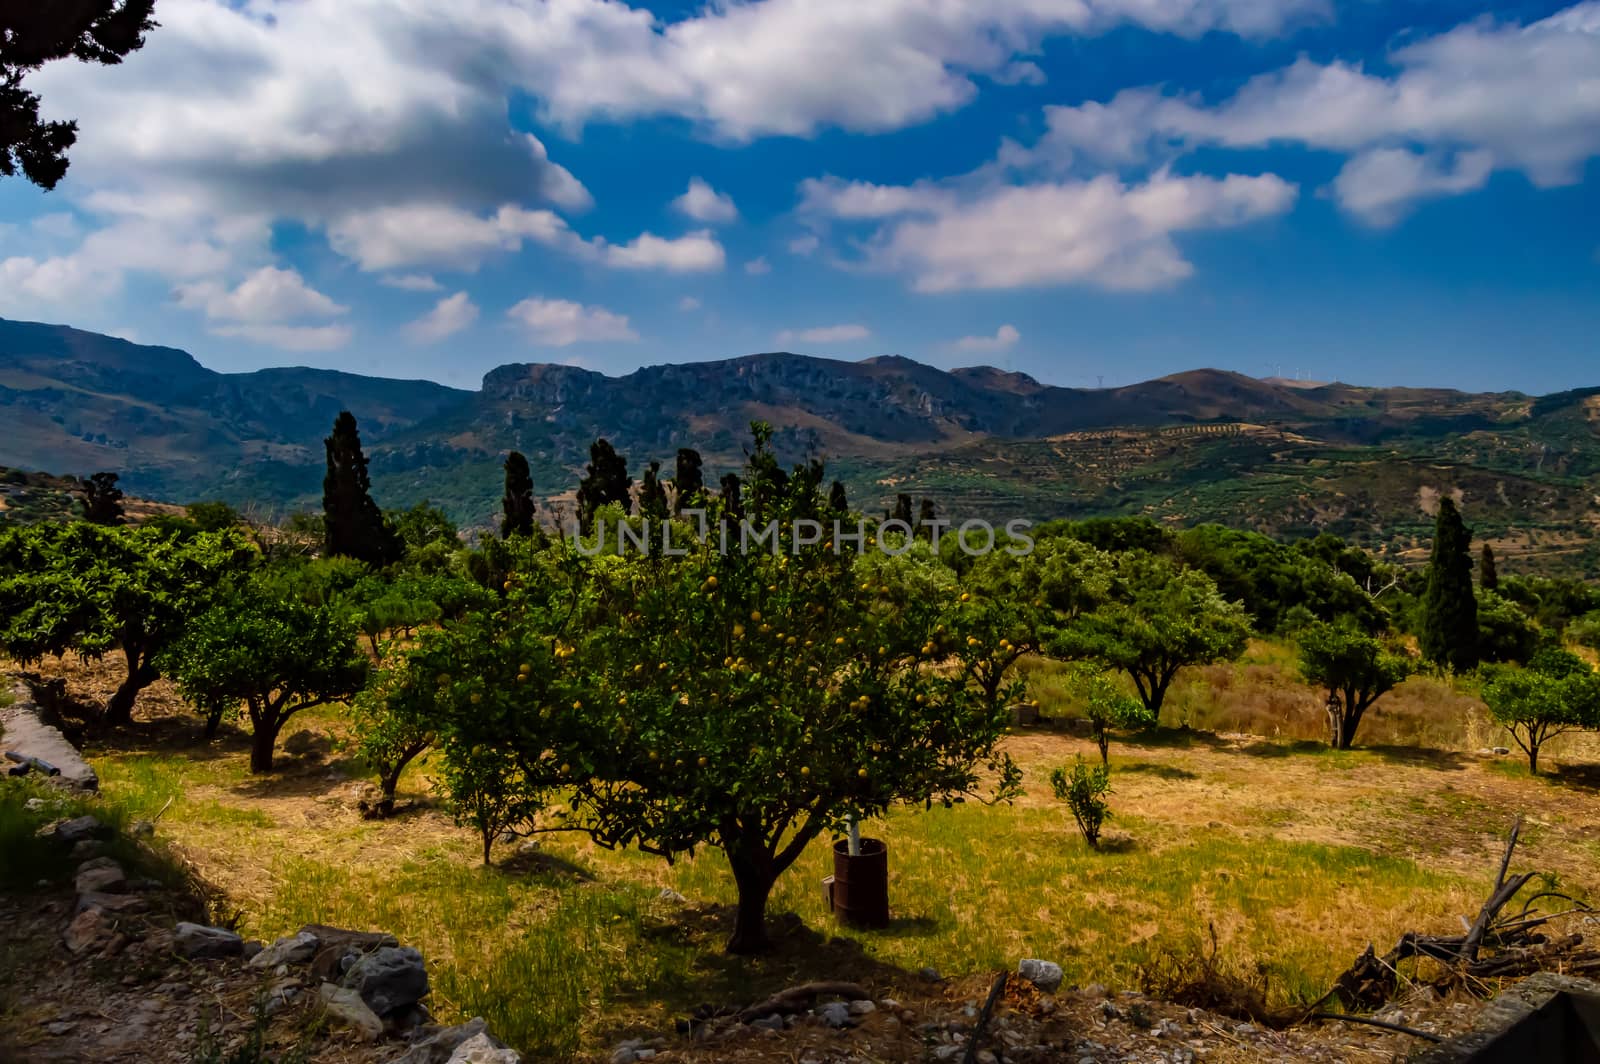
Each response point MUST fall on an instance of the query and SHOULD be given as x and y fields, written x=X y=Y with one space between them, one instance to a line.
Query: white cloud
x=1099 y=232
x=1020 y=73
x=411 y=282
x=385 y=238
x=857 y=200
x=758 y=266
x=805 y=244
x=1380 y=185
x=705 y=204
x=689 y=304
x=559 y=322
x=269 y=295
x=694 y=253
x=1006 y=336
x=448 y=317
x=290 y=337
x=827 y=334
x=1486 y=95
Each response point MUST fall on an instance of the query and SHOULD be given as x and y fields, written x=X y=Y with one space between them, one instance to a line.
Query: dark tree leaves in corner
x=34 y=32
x=689 y=482
x=1449 y=606
x=102 y=500
x=605 y=481
x=355 y=527
x=518 y=505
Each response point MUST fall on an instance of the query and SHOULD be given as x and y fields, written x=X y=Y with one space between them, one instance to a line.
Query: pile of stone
x=363 y=981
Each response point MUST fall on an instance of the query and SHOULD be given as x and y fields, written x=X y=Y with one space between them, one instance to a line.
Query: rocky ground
x=108 y=970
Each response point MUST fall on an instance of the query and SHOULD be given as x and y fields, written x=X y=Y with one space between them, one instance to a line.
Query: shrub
x=1085 y=792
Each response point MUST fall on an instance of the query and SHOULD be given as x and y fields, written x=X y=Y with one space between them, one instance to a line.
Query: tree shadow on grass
x=302 y=777
x=1582 y=777
x=1152 y=768
x=1421 y=757
x=1272 y=749
x=1174 y=739
x=531 y=861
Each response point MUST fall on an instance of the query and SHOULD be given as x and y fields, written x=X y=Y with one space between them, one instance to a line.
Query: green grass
x=31 y=860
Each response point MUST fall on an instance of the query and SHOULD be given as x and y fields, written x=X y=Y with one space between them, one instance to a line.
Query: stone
x=930 y=974
x=197 y=940
x=88 y=928
x=771 y=1023
x=141 y=829
x=1501 y=751
x=482 y=1049
x=345 y=1005
x=100 y=875
x=111 y=903
x=70 y=832
x=389 y=979
x=862 y=1008
x=297 y=948
x=986 y=1057
x=1046 y=975
x=672 y=896
x=835 y=1014
x=60 y=1027
x=341 y=948
x=436 y=1044
x=84 y=849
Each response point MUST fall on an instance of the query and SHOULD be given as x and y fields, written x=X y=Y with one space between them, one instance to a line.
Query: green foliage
x=688 y=481
x=1488 y=571
x=1355 y=668
x=102 y=500
x=1160 y=618
x=1114 y=534
x=1585 y=631
x=1450 y=606
x=517 y=507
x=396 y=719
x=1106 y=706
x=1553 y=602
x=652 y=494
x=1285 y=585
x=276 y=656
x=212 y=516
x=1084 y=791
x=1505 y=633
x=1538 y=703
x=88 y=589
x=605 y=481
x=354 y=526
x=423 y=526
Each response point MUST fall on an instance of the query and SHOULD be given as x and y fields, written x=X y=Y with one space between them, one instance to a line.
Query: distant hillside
x=1284 y=456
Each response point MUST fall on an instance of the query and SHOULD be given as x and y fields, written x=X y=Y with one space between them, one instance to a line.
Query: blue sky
x=1378 y=191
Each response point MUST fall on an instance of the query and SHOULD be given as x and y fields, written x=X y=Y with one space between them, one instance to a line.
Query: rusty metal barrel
x=858 y=890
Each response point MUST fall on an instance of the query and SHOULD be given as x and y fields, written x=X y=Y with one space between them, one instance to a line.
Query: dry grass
x=1297 y=856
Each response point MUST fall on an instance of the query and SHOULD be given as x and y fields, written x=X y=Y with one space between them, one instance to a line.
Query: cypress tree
x=902 y=509
x=102 y=500
x=652 y=496
x=1449 y=606
x=689 y=481
x=926 y=516
x=606 y=480
x=732 y=497
x=355 y=527
x=1488 y=574
x=518 y=505
x=837 y=501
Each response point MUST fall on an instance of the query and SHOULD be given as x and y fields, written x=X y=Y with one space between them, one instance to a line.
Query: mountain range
x=1283 y=456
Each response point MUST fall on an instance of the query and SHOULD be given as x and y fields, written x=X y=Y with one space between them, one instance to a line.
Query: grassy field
x=1296 y=857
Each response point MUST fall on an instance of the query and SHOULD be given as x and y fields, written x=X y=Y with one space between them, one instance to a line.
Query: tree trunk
x=119 y=709
x=750 y=924
x=1103 y=741
x=1533 y=759
x=213 y=722
x=262 y=740
x=488 y=843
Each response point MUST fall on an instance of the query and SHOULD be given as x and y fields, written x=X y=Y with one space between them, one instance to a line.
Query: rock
x=87 y=928
x=986 y=1057
x=346 y=1006
x=251 y=949
x=1501 y=751
x=36 y=805
x=835 y=1014
x=59 y=1028
x=949 y=1053
x=389 y=979
x=672 y=896
x=437 y=1044
x=111 y=903
x=1046 y=975
x=141 y=829
x=100 y=875
x=298 y=948
x=930 y=974
x=773 y=1022
x=861 y=1008
x=197 y=940
x=341 y=948
x=84 y=849
x=71 y=832
x=482 y=1049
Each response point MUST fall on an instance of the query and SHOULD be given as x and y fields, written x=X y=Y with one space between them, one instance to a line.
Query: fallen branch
x=1369 y=1022
x=800 y=998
